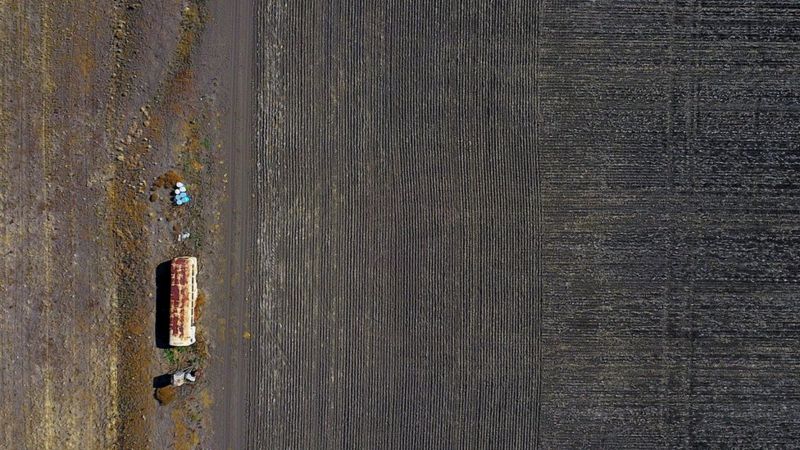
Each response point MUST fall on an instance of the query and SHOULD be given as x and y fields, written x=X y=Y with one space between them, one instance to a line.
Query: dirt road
x=231 y=33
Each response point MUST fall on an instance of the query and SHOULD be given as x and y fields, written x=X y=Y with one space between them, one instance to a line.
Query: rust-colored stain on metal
x=182 y=293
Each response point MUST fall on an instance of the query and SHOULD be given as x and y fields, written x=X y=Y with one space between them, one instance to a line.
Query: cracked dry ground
x=98 y=99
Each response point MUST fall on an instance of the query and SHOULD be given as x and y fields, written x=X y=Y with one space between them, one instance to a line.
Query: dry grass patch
x=166 y=395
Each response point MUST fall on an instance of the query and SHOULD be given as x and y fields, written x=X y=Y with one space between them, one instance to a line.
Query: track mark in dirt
x=49 y=259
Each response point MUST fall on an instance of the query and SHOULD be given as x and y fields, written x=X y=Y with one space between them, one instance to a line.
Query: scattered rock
x=120 y=157
x=154 y=197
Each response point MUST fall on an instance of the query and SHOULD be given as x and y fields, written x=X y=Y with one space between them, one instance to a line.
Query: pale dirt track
x=231 y=31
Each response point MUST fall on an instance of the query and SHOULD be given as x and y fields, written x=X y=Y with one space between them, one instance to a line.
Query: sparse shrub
x=165 y=395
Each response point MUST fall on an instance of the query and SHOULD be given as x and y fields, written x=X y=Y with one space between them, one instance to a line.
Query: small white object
x=177 y=191
x=179 y=184
x=178 y=378
x=183 y=188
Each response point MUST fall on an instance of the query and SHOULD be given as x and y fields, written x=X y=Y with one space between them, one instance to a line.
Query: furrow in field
x=399 y=224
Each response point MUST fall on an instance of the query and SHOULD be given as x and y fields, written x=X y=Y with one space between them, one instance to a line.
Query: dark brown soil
x=397 y=278
x=525 y=223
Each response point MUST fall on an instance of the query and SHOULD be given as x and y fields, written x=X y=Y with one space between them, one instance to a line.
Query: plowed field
x=510 y=224
x=398 y=260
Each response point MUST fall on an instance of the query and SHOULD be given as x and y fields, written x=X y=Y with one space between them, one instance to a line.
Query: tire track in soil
x=54 y=389
x=232 y=23
x=397 y=283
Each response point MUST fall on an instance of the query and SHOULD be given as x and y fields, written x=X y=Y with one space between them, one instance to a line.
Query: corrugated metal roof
x=183 y=294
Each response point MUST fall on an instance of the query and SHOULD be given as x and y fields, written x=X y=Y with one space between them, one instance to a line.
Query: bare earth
x=420 y=224
x=104 y=104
